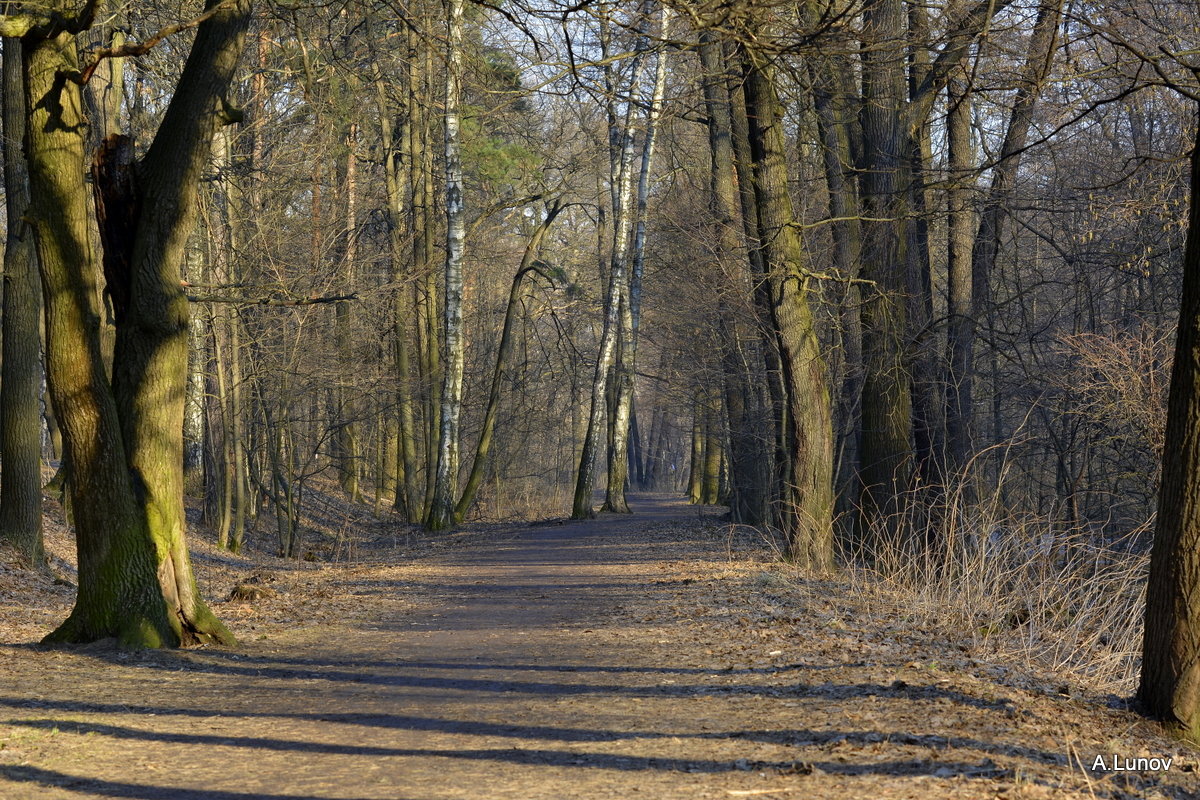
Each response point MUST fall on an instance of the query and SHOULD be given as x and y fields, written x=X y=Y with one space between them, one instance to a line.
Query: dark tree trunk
x=21 y=377
x=1170 y=684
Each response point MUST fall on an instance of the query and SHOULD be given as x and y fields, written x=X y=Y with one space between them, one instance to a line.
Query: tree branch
x=98 y=55
x=286 y=302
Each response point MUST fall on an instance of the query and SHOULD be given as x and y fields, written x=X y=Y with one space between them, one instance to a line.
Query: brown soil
x=655 y=656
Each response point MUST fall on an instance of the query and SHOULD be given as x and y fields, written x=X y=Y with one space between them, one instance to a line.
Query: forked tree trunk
x=630 y=316
x=135 y=577
x=621 y=184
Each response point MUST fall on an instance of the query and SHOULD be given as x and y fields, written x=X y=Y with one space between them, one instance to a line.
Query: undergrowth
x=1019 y=587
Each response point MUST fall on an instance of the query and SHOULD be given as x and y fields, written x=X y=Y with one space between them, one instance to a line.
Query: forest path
x=645 y=656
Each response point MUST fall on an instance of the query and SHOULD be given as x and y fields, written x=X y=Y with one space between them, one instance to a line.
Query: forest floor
x=658 y=655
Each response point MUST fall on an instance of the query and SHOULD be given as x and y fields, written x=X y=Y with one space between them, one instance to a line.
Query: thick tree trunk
x=750 y=473
x=777 y=461
x=808 y=494
x=885 y=446
x=21 y=376
x=135 y=578
x=837 y=116
x=960 y=234
x=1170 y=683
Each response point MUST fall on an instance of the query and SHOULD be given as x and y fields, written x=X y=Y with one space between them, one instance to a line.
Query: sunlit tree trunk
x=441 y=511
x=622 y=182
x=631 y=302
x=503 y=356
x=960 y=233
x=808 y=495
x=135 y=577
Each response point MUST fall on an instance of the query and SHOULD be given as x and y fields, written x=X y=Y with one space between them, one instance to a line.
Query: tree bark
x=885 y=447
x=960 y=235
x=1170 y=681
x=807 y=519
x=135 y=578
x=441 y=511
x=21 y=375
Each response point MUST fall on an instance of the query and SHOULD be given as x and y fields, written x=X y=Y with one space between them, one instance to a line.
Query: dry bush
x=1121 y=379
x=1021 y=588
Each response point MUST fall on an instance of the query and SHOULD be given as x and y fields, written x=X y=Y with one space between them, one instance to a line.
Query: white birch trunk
x=617 y=278
x=631 y=300
x=441 y=512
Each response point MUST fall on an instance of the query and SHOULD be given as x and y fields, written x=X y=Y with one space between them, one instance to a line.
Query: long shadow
x=485 y=666
x=374 y=677
x=791 y=738
x=134 y=791
x=548 y=757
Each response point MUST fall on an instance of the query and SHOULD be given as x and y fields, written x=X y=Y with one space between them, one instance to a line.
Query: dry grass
x=1020 y=588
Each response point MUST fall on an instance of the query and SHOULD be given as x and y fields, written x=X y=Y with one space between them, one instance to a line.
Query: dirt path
x=618 y=658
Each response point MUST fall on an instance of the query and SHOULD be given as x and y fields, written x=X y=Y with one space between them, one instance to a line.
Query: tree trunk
x=777 y=462
x=885 y=447
x=749 y=470
x=21 y=376
x=630 y=316
x=960 y=234
x=622 y=182
x=346 y=434
x=995 y=212
x=397 y=166
x=135 y=578
x=808 y=494
x=1170 y=683
x=503 y=356
x=831 y=75
x=441 y=511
